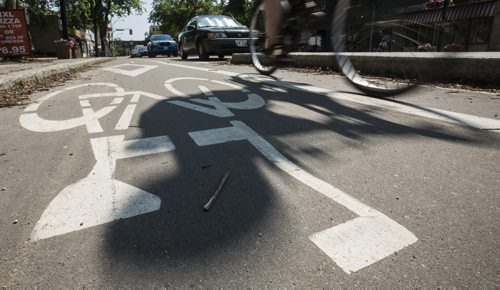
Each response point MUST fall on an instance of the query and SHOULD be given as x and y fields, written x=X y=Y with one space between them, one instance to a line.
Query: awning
x=474 y=10
x=477 y=10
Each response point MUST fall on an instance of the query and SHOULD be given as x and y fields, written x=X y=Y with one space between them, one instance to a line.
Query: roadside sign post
x=14 y=38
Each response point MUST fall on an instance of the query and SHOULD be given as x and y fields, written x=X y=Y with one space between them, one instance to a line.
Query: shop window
x=480 y=30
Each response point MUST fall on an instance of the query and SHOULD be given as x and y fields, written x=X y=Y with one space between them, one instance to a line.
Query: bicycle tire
x=257 y=40
x=360 y=76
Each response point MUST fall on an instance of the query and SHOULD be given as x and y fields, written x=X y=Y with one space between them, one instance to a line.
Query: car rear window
x=218 y=21
x=161 y=37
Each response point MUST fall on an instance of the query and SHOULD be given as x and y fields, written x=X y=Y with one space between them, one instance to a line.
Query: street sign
x=14 y=38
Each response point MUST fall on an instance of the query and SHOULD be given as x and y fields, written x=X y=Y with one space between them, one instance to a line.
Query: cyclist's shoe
x=279 y=55
x=277 y=51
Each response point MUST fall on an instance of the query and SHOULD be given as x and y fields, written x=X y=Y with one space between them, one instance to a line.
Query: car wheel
x=202 y=52
x=184 y=55
x=168 y=54
x=221 y=56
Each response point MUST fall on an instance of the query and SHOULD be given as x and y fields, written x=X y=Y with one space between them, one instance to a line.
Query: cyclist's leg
x=273 y=15
x=258 y=40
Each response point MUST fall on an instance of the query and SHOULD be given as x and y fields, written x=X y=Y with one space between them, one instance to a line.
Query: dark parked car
x=162 y=44
x=213 y=34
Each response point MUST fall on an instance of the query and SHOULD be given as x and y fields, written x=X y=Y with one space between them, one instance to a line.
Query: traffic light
x=130 y=31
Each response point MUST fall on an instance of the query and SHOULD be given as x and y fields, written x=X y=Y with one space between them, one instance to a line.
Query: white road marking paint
x=426 y=112
x=117 y=88
x=131 y=73
x=213 y=105
x=135 y=98
x=117 y=101
x=352 y=245
x=227 y=73
x=206 y=91
x=35 y=123
x=92 y=123
x=126 y=117
x=32 y=121
x=363 y=241
x=85 y=103
x=100 y=198
x=168 y=85
x=431 y=113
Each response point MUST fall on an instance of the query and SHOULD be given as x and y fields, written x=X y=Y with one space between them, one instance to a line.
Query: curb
x=40 y=73
x=483 y=67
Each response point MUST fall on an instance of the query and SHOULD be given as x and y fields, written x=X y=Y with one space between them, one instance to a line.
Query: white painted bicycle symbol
x=99 y=198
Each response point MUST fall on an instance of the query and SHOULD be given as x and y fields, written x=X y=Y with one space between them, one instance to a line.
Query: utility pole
x=64 y=20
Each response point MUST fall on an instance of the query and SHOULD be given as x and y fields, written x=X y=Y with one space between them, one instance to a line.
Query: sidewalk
x=12 y=71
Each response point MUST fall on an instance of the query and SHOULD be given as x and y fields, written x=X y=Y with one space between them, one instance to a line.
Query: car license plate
x=241 y=42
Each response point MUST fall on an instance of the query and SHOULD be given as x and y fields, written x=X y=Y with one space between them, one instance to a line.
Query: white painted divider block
x=362 y=241
x=140 y=69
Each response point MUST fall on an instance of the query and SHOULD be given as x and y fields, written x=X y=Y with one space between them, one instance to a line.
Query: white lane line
x=126 y=117
x=99 y=198
x=426 y=112
x=353 y=245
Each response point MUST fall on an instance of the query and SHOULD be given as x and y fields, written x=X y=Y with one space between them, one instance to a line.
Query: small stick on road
x=216 y=193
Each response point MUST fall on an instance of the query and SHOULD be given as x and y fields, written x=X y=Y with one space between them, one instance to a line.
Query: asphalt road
x=104 y=179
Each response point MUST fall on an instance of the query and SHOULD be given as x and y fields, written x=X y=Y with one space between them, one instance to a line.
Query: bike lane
x=353 y=242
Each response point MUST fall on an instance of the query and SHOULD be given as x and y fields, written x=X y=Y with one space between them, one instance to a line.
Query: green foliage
x=172 y=15
x=37 y=9
x=21 y=82
x=240 y=10
x=84 y=13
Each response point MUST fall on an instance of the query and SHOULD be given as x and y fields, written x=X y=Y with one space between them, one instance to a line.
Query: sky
x=138 y=23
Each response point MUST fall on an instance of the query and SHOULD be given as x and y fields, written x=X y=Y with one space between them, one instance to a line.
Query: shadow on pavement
x=181 y=232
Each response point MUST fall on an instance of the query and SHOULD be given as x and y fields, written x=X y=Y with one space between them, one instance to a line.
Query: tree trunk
x=96 y=33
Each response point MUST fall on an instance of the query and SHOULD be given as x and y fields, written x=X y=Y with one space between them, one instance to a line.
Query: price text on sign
x=14 y=39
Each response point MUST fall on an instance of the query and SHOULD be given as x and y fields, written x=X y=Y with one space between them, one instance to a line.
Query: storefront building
x=466 y=25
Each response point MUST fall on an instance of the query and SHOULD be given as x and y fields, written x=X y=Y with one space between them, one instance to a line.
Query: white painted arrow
x=99 y=198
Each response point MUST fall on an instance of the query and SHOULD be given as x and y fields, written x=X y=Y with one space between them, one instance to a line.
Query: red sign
x=14 y=39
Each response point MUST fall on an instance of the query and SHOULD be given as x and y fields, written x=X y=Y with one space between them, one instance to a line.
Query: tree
x=10 y=4
x=240 y=10
x=172 y=15
x=97 y=14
